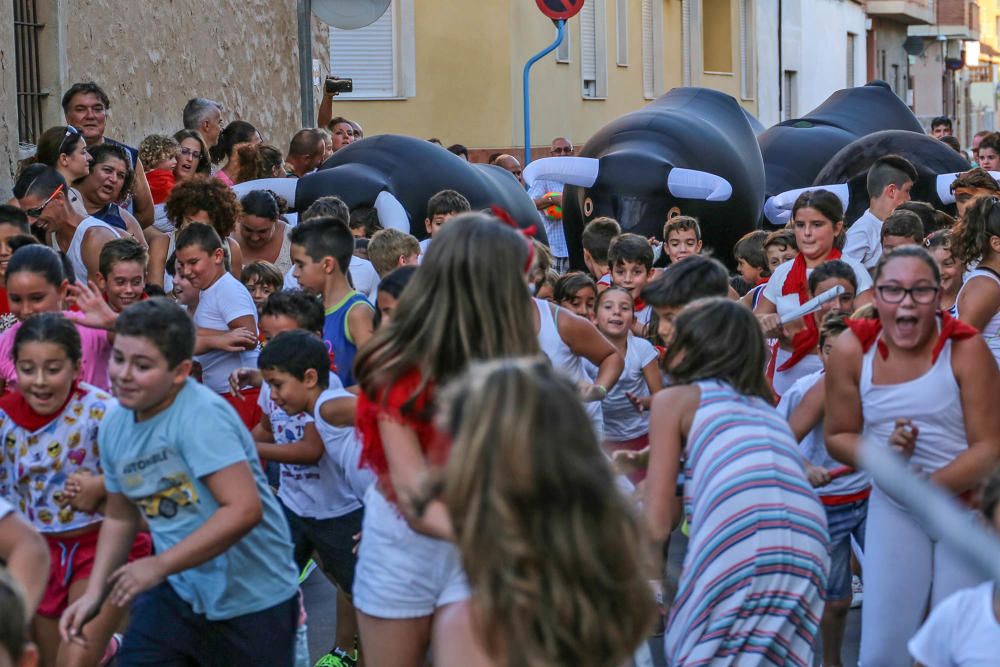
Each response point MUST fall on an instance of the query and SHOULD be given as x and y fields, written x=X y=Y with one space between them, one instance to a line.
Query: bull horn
x=391 y=214
x=283 y=187
x=694 y=184
x=779 y=207
x=944 y=182
x=579 y=171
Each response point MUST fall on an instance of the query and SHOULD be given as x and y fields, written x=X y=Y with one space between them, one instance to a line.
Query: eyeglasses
x=922 y=294
x=70 y=131
x=562 y=151
x=37 y=212
x=191 y=153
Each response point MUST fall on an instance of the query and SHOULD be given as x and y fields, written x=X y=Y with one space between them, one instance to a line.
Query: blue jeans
x=844 y=521
x=165 y=631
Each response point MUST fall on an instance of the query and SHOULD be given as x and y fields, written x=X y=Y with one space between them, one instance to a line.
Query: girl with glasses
x=977 y=237
x=918 y=381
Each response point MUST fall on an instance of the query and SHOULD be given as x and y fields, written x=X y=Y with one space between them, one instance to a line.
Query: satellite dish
x=350 y=14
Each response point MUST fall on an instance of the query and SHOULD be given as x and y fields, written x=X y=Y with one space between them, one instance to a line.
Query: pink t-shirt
x=95 y=347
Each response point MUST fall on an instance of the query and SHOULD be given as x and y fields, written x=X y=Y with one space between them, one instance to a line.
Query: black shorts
x=332 y=540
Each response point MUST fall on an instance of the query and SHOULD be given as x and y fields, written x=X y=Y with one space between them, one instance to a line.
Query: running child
x=739 y=601
x=631 y=262
x=547 y=482
x=888 y=182
x=576 y=292
x=751 y=262
x=780 y=248
x=901 y=228
x=214 y=522
x=262 y=279
x=922 y=383
x=682 y=238
x=36 y=283
x=392 y=248
x=468 y=301
x=844 y=497
x=50 y=428
x=224 y=307
x=389 y=291
x=938 y=244
x=321 y=254
x=974 y=238
x=625 y=426
x=441 y=208
x=13 y=222
x=122 y=273
x=596 y=240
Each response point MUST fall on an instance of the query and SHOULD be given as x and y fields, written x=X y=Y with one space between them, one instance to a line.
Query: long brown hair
x=719 y=339
x=468 y=301
x=970 y=238
x=552 y=551
x=828 y=205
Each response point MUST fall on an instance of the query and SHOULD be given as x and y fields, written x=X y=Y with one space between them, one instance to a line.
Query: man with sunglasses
x=549 y=193
x=85 y=106
x=41 y=193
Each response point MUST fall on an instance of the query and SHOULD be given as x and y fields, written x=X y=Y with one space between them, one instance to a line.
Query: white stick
x=812 y=305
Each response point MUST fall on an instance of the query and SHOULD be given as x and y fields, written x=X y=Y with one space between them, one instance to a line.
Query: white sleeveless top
x=932 y=402
x=75 y=251
x=564 y=360
x=991 y=332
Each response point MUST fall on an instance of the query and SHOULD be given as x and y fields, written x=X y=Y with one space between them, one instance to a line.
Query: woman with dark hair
x=109 y=180
x=193 y=157
x=261 y=234
x=342 y=131
x=818 y=223
x=62 y=147
x=238 y=146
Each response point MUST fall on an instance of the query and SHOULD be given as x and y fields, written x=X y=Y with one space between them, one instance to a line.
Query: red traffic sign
x=560 y=10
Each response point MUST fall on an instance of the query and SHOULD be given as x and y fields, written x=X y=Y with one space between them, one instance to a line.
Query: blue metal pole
x=560 y=31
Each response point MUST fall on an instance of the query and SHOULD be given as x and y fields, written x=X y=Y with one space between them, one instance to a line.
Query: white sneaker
x=857 y=591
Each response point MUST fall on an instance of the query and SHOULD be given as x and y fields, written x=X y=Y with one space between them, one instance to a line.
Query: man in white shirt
x=549 y=193
x=889 y=182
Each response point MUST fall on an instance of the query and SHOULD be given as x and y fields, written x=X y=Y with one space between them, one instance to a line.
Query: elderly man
x=549 y=193
x=510 y=163
x=204 y=117
x=85 y=107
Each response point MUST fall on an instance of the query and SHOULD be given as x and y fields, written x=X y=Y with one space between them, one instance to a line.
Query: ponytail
x=237 y=132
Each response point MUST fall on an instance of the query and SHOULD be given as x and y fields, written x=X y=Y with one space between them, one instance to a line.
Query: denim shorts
x=844 y=521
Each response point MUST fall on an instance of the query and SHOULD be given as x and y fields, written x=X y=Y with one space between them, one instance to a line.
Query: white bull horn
x=283 y=187
x=779 y=207
x=694 y=184
x=579 y=171
x=391 y=213
x=944 y=182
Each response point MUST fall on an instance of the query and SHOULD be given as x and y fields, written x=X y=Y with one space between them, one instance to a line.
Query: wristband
x=604 y=390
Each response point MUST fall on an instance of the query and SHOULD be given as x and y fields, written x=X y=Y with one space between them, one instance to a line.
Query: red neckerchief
x=640 y=304
x=22 y=414
x=796 y=282
x=762 y=281
x=4 y=304
x=867 y=332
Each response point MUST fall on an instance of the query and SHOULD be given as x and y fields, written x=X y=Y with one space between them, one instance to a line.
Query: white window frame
x=748 y=51
x=600 y=82
x=852 y=47
x=653 y=82
x=621 y=28
x=403 y=56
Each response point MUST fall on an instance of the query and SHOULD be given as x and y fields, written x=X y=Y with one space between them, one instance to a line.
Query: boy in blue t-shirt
x=321 y=252
x=222 y=587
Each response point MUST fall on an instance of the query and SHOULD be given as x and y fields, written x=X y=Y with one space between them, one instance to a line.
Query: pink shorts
x=633 y=445
x=73 y=560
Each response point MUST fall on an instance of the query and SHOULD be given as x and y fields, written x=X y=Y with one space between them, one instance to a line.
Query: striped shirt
x=758 y=556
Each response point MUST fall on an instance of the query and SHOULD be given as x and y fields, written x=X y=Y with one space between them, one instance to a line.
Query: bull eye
x=673 y=212
x=588 y=207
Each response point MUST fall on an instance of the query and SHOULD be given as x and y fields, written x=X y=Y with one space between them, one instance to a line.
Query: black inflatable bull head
x=396 y=175
x=691 y=152
x=846 y=173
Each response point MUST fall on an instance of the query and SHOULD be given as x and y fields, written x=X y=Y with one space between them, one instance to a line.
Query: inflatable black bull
x=691 y=150
x=397 y=175
x=846 y=172
x=797 y=150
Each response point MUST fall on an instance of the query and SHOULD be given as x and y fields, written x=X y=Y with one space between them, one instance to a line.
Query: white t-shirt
x=813 y=445
x=962 y=631
x=343 y=452
x=864 y=240
x=363 y=276
x=786 y=303
x=621 y=420
x=224 y=301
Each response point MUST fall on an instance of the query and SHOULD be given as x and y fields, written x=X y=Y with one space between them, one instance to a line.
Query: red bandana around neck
x=22 y=414
x=867 y=332
x=797 y=282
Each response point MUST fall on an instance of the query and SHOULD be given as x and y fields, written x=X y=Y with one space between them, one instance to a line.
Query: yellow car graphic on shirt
x=173 y=491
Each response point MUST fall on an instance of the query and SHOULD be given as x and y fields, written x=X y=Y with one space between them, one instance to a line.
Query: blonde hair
x=469 y=301
x=387 y=246
x=157 y=147
x=552 y=551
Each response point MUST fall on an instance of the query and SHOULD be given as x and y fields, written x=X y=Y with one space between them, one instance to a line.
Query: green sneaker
x=338 y=657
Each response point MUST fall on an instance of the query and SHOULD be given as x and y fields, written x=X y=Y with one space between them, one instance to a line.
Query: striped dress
x=758 y=553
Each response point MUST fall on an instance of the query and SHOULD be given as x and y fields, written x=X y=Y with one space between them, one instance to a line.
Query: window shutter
x=648 y=50
x=747 y=63
x=850 y=59
x=367 y=55
x=686 y=41
x=621 y=24
x=588 y=48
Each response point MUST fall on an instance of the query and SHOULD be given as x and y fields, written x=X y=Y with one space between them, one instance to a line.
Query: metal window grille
x=30 y=95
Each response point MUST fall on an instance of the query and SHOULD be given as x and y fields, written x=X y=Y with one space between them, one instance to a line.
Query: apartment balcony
x=910 y=12
x=955 y=19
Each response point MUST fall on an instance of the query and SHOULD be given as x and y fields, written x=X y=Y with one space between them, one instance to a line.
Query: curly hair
x=970 y=238
x=157 y=147
x=204 y=193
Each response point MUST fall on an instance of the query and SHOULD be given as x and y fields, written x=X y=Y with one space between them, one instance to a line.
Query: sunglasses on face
x=37 y=212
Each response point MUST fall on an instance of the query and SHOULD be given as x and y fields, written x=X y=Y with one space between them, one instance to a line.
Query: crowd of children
x=486 y=457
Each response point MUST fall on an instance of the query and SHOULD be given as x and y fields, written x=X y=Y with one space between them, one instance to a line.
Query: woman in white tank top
x=921 y=382
x=977 y=237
